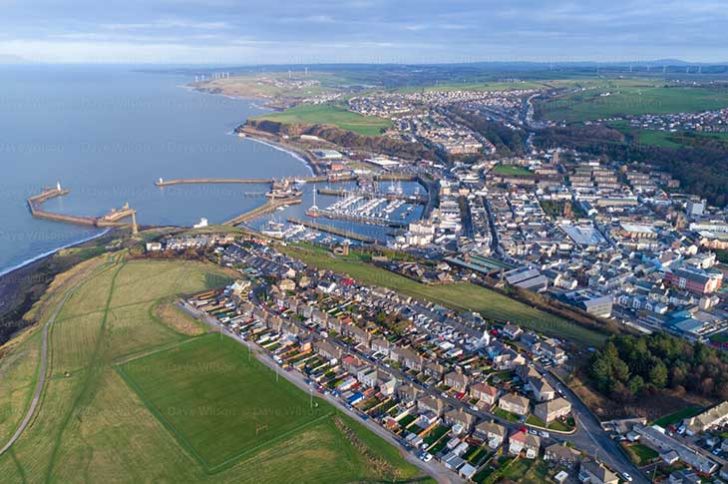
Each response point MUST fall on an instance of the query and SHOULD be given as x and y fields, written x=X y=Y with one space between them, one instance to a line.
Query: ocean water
x=107 y=133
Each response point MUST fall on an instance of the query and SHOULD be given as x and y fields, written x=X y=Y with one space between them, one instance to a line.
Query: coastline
x=255 y=135
x=280 y=147
x=49 y=253
x=22 y=285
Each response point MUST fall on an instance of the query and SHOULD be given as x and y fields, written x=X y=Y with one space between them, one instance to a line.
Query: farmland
x=619 y=98
x=329 y=114
x=92 y=425
x=460 y=296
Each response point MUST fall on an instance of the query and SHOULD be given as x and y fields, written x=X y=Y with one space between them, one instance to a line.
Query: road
x=590 y=437
x=41 y=375
x=432 y=468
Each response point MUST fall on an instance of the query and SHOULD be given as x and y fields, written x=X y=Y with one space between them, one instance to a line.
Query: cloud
x=167 y=24
x=357 y=30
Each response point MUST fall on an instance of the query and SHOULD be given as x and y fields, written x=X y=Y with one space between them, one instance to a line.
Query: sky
x=367 y=31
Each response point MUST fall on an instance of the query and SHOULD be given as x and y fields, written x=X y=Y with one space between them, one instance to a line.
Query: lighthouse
x=58 y=186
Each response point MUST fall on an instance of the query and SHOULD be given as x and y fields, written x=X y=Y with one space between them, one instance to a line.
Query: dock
x=204 y=181
x=114 y=218
x=270 y=206
x=340 y=192
x=333 y=230
x=331 y=178
x=360 y=219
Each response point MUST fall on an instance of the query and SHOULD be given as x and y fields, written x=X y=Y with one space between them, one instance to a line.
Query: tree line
x=629 y=366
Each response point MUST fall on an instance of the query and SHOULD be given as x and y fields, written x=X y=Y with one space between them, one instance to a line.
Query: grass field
x=617 y=98
x=474 y=86
x=92 y=426
x=179 y=384
x=678 y=416
x=664 y=139
x=333 y=115
x=461 y=296
x=511 y=170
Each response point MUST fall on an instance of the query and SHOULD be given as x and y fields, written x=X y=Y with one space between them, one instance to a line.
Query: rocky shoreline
x=22 y=287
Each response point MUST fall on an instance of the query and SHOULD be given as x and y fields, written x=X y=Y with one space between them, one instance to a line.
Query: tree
x=658 y=374
x=636 y=384
x=601 y=371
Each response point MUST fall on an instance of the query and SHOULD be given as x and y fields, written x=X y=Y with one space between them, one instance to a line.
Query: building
x=456 y=381
x=484 y=393
x=694 y=279
x=655 y=438
x=459 y=417
x=541 y=389
x=552 y=410
x=522 y=441
x=431 y=404
x=514 y=403
x=561 y=454
x=592 y=472
x=711 y=418
x=492 y=433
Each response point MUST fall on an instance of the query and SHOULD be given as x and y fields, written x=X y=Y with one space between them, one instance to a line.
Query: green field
x=511 y=170
x=474 y=86
x=678 y=416
x=333 y=115
x=460 y=296
x=93 y=426
x=665 y=139
x=179 y=384
x=632 y=98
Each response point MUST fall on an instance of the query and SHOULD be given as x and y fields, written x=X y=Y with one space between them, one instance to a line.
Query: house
x=592 y=472
x=456 y=381
x=511 y=331
x=522 y=441
x=408 y=357
x=431 y=404
x=381 y=345
x=561 y=454
x=553 y=352
x=328 y=350
x=407 y=393
x=514 y=403
x=434 y=369
x=713 y=417
x=683 y=476
x=508 y=359
x=484 y=393
x=459 y=417
x=655 y=437
x=526 y=373
x=552 y=410
x=541 y=389
x=492 y=433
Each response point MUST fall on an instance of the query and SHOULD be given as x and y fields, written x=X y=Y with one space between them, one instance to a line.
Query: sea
x=107 y=133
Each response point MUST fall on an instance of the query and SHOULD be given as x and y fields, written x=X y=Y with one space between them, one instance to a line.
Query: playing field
x=130 y=396
x=333 y=115
x=216 y=401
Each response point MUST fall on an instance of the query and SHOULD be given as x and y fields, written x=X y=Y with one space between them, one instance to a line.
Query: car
x=427 y=457
x=626 y=477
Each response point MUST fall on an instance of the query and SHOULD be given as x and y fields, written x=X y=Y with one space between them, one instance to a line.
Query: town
x=450 y=387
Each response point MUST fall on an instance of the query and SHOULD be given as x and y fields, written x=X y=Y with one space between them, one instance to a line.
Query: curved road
x=41 y=376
